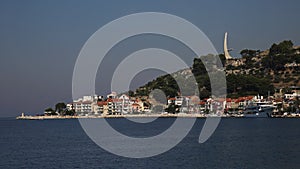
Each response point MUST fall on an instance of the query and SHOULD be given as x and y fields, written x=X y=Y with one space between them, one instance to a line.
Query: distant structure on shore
x=226 y=53
x=229 y=59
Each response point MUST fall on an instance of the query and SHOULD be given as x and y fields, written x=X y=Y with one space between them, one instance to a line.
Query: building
x=126 y=104
x=294 y=93
x=85 y=105
x=171 y=100
x=178 y=100
x=112 y=95
x=102 y=107
x=70 y=106
x=136 y=107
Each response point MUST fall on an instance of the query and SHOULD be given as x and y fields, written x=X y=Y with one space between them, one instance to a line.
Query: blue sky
x=40 y=40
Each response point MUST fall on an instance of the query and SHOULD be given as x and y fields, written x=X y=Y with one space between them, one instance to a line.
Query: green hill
x=255 y=72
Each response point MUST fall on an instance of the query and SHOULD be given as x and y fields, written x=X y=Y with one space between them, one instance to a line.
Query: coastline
x=138 y=116
x=117 y=116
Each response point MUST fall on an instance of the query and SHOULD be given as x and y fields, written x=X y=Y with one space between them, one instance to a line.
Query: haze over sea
x=237 y=143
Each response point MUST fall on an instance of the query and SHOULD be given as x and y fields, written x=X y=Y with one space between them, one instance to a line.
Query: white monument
x=226 y=53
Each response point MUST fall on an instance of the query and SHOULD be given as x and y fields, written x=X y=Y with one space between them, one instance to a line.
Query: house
x=70 y=106
x=112 y=95
x=234 y=104
x=136 y=107
x=87 y=98
x=125 y=104
x=178 y=100
x=86 y=106
x=245 y=101
x=228 y=103
x=77 y=106
x=114 y=106
x=290 y=96
x=171 y=100
x=102 y=107
x=203 y=106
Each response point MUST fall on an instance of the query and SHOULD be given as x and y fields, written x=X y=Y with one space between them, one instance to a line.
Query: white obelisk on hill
x=226 y=53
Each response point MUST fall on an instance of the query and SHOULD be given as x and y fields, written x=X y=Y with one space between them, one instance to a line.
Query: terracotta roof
x=202 y=103
x=249 y=97
x=228 y=100
x=101 y=103
x=239 y=100
x=113 y=100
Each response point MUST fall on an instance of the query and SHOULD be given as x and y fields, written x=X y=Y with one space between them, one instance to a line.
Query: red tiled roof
x=101 y=103
x=113 y=100
x=249 y=97
x=202 y=103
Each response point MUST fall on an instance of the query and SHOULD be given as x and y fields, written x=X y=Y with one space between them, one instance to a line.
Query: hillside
x=255 y=72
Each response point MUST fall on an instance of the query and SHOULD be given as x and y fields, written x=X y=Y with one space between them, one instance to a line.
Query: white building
x=87 y=98
x=112 y=95
x=291 y=96
x=178 y=100
x=126 y=104
x=86 y=104
x=77 y=106
x=70 y=106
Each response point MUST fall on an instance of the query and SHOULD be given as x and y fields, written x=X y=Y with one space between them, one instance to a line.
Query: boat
x=259 y=109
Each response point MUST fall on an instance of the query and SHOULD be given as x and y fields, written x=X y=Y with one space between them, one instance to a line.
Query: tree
x=248 y=85
x=130 y=93
x=223 y=59
x=279 y=55
x=49 y=111
x=248 y=53
x=198 y=67
x=60 y=107
x=283 y=47
x=70 y=112
x=172 y=108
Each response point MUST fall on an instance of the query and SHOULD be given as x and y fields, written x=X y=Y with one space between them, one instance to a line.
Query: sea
x=237 y=143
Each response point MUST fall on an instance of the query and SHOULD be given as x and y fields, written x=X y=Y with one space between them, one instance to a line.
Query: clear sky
x=40 y=40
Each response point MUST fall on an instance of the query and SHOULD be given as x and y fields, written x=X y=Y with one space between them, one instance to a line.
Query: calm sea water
x=237 y=143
